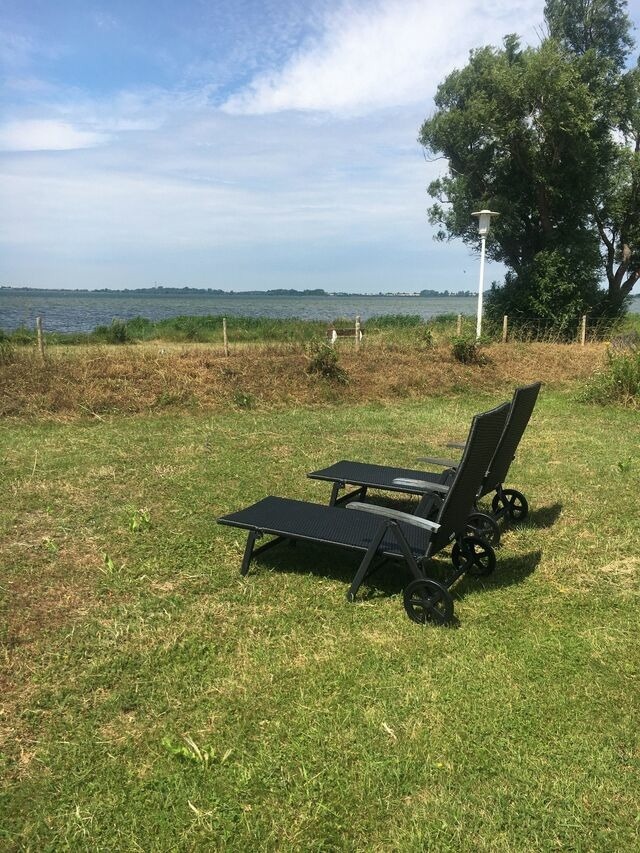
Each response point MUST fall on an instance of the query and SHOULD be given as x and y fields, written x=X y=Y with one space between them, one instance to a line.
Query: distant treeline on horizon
x=217 y=292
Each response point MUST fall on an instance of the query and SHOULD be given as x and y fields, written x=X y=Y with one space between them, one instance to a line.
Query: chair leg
x=334 y=493
x=357 y=494
x=363 y=568
x=248 y=551
x=411 y=561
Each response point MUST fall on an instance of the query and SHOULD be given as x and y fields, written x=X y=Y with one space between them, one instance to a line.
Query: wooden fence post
x=224 y=336
x=357 y=332
x=459 y=326
x=583 y=330
x=505 y=328
x=40 y=337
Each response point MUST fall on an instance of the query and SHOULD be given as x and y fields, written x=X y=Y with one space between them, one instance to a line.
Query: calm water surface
x=66 y=311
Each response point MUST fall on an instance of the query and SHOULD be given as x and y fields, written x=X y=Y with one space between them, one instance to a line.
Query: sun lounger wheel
x=512 y=503
x=485 y=526
x=426 y=600
x=473 y=556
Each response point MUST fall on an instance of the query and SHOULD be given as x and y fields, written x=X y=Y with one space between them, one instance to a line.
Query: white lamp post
x=484 y=223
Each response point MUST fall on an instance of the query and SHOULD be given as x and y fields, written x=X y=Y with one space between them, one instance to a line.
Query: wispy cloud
x=46 y=135
x=60 y=119
x=16 y=50
x=380 y=55
x=205 y=182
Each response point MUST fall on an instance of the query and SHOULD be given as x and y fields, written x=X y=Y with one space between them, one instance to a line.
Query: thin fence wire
x=535 y=329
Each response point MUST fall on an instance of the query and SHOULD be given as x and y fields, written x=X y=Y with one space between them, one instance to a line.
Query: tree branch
x=627 y=287
x=611 y=252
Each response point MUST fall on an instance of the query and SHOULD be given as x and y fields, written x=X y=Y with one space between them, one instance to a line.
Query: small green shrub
x=443 y=322
x=139 y=520
x=193 y=332
x=467 y=350
x=6 y=349
x=426 y=338
x=116 y=333
x=619 y=380
x=164 y=398
x=243 y=400
x=23 y=336
x=323 y=360
x=141 y=329
x=177 y=398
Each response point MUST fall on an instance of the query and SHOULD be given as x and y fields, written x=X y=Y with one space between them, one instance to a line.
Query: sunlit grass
x=153 y=699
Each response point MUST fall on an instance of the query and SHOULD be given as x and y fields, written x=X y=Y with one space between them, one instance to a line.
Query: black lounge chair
x=506 y=502
x=387 y=533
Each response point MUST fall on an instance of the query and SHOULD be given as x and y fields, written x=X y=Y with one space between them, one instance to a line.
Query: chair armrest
x=437 y=460
x=459 y=444
x=426 y=485
x=396 y=515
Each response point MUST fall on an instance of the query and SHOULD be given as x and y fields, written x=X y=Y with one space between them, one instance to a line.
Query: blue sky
x=238 y=145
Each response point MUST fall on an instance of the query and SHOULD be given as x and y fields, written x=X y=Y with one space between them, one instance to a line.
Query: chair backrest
x=524 y=399
x=484 y=435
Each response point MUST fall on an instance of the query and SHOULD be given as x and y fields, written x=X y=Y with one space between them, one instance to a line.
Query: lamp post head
x=484 y=220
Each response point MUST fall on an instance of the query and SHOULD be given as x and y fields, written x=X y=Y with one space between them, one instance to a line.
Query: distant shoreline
x=201 y=291
x=169 y=291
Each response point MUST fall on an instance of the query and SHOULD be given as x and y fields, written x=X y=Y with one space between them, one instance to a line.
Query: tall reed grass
x=404 y=328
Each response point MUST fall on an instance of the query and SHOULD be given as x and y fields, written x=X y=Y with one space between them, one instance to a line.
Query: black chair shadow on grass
x=385 y=579
x=509 y=571
x=388 y=577
x=543 y=517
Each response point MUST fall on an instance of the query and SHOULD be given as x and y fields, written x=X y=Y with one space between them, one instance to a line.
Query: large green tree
x=547 y=136
x=596 y=36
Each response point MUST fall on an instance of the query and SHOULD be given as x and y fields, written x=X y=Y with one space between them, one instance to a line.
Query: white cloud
x=62 y=119
x=383 y=55
x=46 y=135
x=234 y=215
x=216 y=189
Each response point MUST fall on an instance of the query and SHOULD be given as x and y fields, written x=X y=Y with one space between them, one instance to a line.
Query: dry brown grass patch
x=624 y=574
x=95 y=381
x=36 y=606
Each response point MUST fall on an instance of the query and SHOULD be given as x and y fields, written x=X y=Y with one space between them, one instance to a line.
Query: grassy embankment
x=153 y=699
x=400 y=357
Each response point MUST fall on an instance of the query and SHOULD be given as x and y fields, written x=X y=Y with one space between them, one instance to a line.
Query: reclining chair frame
x=507 y=503
x=389 y=533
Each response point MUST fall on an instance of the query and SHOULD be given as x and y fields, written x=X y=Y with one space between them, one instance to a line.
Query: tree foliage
x=549 y=137
x=598 y=26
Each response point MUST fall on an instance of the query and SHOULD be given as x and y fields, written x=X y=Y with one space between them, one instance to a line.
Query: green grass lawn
x=152 y=699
